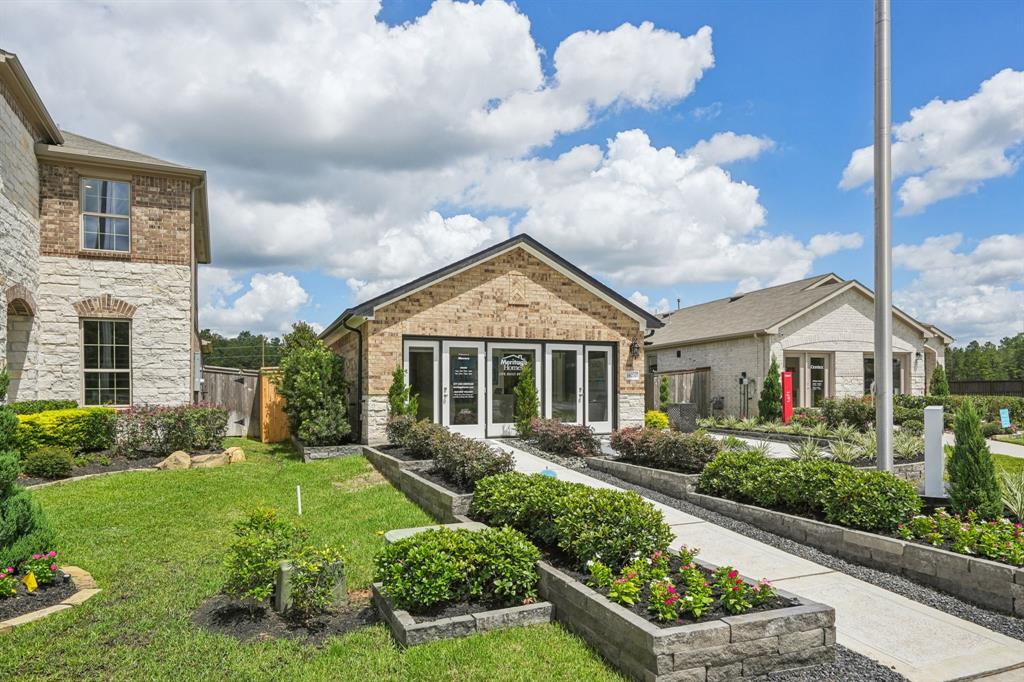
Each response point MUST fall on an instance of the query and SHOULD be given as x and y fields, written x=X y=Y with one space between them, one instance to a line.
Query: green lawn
x=1008 y=462
x=155 y=540
x=1016 y=440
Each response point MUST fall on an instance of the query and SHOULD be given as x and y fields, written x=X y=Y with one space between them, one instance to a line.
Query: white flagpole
x=883 y=235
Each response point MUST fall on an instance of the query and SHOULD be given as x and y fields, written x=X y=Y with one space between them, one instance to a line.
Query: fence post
x=934 y=453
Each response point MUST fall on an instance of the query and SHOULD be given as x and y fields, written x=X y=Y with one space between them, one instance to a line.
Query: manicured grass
x=1016 y=440
x=1008 y=462
x=155 y=541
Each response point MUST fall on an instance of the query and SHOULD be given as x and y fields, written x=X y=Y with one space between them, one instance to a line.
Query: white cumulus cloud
x=269 y=306
x=644 y=301
x=949 y=147
x=727 y=147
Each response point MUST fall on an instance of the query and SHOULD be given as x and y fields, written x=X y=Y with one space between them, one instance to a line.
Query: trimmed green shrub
x=989 y=429
x=400 y=402
x=769 y=407
x=871 y=500
x=987 y=406
x=397 y=429
x=573 y=440
x=653 y=419
x=36 y=406
x=312 y=382
x=664 y=396
x=914 y=426
x=903 y=414
x=418 y=436
x=5 y=381
x=316 y=572
x=84 y=429
x=8 y=429
x=464 y=461
x=938 y=385
x=669 y=450
x=152 y=430
x=49 y=462
x=973 y=485
x=857 y=412
x=583 y=522
x=23 y=526
x=527 y=406
x=495 y=566
x=262 y=541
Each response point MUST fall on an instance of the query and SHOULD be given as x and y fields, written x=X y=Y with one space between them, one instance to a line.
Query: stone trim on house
x=105 y=306
x=20 y=301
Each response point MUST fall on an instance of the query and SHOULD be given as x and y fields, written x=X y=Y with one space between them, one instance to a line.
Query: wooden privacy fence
x=1012 y=387
x=255 y=410
x=684 y=386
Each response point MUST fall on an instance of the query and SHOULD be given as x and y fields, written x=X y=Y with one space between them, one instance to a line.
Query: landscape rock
x=175 y=460
x=210 y=461
x=235 y=455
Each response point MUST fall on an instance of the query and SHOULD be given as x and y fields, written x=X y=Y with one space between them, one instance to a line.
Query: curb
x=86 y=589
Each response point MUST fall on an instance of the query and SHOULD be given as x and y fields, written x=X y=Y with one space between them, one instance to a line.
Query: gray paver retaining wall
x=443 y=504
x=669 y=483
x=987 y=583
x=749 y=645
x=310 y=453
x=389 y=467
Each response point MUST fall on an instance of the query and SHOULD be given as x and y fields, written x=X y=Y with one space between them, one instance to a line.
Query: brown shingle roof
x=79 y=144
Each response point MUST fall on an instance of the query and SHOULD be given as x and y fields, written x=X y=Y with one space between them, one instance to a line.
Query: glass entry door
x=462 y=388
x=599 y=382
x=421 y=376
x=506 y=362
x=564 y=383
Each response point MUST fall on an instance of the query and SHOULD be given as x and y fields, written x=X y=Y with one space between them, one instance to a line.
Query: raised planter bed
x=445 y=505
x=310 y=453
x=987 y=583
x=389 y=465
x=733 y=647
x=408 y=631
x=771 y=436
x=84 y=586
x=670 y=483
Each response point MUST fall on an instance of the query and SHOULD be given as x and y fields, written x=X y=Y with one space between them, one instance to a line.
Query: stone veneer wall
x=19 y=229
x=726 y=359
x=476 y=303
x=161 y=326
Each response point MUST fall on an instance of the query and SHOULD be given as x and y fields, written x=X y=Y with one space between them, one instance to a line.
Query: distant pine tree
x=769 y=407
x=973 y=484
x=938 y=385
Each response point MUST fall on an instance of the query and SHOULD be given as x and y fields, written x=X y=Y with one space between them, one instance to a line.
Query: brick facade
x=513 y=296
x=161 y=215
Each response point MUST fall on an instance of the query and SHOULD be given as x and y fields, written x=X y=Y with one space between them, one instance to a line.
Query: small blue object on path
x=548 y=472
x=1004 y=417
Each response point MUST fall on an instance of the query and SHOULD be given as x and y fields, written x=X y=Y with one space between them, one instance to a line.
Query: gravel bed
x=998 y=622
x=577 y=463
x=849 y=666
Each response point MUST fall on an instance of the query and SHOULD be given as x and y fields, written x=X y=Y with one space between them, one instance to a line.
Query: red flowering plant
x=8 y=583
x=697 y=598
x=43 y=566
x=734 y=593
x=665 y=601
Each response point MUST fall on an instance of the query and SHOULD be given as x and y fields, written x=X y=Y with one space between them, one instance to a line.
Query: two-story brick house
x=99 y=247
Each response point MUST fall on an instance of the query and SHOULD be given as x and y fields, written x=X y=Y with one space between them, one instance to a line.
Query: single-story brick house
x=820 y=328
x=464 y=333
x=99 y=247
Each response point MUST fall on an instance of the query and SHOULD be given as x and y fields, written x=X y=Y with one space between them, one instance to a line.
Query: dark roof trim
x=366 y=308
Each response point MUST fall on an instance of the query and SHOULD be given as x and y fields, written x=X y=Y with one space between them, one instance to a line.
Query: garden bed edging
x=388 y=465
x=311 y=453
x=671 y=483
x=748 y=645
x=85 y=588
x=984 y=582
x=408 y=632
x=444 y=505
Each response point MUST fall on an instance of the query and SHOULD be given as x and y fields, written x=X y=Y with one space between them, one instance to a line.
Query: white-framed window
x=107 y=362
x=106 y=215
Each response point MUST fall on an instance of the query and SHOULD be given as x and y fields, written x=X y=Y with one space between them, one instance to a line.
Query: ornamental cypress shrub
x=23 y=527
x=972 y=475
x=312 y=382
x=400 y=401
x=769 y=407
x=527 y=404
x=663 y=394
x=938 y=385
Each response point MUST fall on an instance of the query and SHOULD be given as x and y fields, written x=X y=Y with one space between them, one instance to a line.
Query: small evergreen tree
x=527 y=405
x=972 y=474
x=401 y=402
x=938 y=384
x=663 y=394
x=312 y=382
x=23 y=527
x=769 y=407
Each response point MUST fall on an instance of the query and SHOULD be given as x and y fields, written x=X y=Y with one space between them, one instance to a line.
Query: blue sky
x=316 y=210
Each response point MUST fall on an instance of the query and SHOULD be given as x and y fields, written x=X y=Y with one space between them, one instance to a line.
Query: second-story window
x=106 y=206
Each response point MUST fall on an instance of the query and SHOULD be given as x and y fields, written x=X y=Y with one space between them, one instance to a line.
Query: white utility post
x=883 y=235
x=298 y=497
x=934 y=453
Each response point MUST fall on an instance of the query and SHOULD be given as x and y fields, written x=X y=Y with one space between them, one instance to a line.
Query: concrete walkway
x=919 y=642
x=996 y=447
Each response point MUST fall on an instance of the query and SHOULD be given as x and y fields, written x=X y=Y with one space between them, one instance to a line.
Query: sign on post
x=1004 y=417
x=787 y=397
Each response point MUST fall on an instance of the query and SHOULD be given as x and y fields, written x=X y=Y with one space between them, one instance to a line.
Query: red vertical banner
x=787 y=397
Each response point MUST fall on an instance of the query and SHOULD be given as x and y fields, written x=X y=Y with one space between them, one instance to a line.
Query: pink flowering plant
x=665 y=600
x=626 y=588
x=734 y=592
x=998 y=539
x=43 y=566
x=697 y=598
x=8 y=583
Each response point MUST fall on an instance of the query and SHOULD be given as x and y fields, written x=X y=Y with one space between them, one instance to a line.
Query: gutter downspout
x=359 y=374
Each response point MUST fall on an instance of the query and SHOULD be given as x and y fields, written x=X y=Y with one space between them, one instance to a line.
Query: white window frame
x=433 y=347
x=500 y=429
x=581 y=359
x=82 y=213
x=84 y=371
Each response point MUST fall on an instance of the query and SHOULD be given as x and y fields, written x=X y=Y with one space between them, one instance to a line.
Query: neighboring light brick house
x=464 y=332
x=98 y=254
x=820 y=328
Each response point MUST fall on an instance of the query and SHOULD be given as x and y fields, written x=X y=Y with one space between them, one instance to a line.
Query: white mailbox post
x=934 y=454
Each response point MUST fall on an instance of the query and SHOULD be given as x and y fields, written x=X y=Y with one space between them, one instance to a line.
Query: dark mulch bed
x=439 y=611
x=398 y=452
x=46 y=595
x=434 y=476
x=641 y=609
x=226 y=616
x=94 y=467
x=872 y=462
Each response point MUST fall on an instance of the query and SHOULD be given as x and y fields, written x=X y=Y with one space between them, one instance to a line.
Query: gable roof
x=82 y=146
x=366 y=309
x=12 y=73
x=759 y=312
